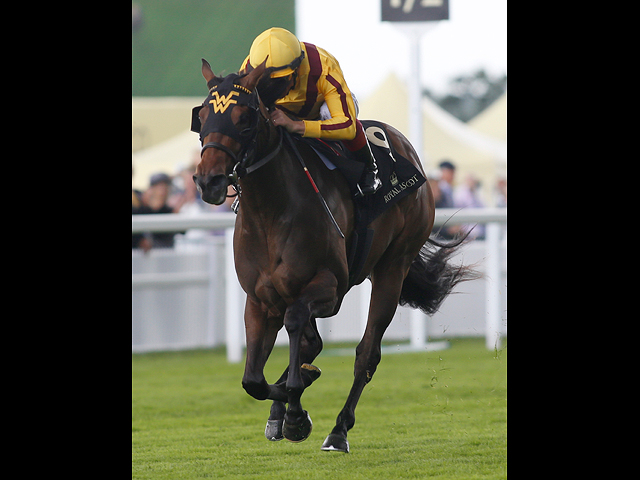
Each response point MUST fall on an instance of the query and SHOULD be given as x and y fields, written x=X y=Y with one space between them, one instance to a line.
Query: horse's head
x=227 y=122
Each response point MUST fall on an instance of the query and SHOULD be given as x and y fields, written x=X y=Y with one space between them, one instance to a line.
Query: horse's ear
x=207 y=73
x=252 y=79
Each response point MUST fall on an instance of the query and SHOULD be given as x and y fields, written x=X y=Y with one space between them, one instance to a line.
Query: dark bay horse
x=292 y=261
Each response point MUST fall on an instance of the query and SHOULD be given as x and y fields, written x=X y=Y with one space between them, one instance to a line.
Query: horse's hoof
x=335 y=443
x=273 y=430
x=313 y=371
x=298 y=432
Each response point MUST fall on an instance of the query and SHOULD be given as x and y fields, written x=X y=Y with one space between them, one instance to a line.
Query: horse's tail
x=431 y=278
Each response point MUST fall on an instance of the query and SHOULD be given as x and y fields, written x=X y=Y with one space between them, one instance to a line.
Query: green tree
x=468 y=95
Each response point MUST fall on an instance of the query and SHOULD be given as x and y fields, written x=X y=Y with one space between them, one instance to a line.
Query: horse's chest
x=275 y=269
x=277 y=288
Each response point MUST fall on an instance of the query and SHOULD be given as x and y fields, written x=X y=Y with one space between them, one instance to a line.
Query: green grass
x=424 y=415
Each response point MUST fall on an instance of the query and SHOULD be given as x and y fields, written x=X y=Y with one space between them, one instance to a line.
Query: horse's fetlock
x=258 y=390
x=345 y=422
x=294 y=388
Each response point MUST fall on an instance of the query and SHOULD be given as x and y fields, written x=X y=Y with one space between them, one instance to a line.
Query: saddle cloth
x=398 y=175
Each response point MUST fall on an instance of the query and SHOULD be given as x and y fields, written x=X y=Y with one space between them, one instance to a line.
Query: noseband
x=219 y=146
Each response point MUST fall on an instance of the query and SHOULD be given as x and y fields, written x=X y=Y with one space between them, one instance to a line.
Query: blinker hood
x=220 y=98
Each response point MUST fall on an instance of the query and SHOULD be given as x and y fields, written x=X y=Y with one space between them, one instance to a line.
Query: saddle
x=398 y=175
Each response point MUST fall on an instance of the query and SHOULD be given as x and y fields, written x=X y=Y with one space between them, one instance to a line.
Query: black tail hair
x=431 y=278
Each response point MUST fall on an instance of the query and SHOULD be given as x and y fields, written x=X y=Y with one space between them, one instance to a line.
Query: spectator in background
x=157 y=194
x=186 y=201
x=467 y=195
x=441 y=182
x=501 y=193
x=448 y=172
x=155 y=201
x=185 y=198
x=139 y=240
x=434 y=177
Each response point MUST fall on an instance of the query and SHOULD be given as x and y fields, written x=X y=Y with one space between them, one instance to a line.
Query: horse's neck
x=268 y=188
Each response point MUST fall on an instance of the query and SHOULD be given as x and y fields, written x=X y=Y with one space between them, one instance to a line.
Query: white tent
x=156 y=119
x=493 y=120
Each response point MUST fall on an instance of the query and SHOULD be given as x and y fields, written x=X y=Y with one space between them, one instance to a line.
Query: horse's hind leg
x=317 y=298
x=385 y=293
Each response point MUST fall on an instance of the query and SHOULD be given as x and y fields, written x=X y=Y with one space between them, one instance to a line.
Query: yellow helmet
x=282 y=47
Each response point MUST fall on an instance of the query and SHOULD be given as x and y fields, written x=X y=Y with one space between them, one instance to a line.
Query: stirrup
x=376 y=186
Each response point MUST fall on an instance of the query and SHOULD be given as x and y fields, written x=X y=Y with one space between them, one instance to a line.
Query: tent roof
x=492 y=121
x=156 y=119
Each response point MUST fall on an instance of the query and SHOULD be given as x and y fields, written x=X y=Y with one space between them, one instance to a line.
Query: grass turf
x=424 y=415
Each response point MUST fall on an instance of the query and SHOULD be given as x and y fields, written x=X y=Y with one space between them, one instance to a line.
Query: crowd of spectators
x=169 y=194
x=464 y=195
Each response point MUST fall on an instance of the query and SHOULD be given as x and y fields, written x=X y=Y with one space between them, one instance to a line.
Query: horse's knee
x=296 y=318
x=313 y=347
x=311 y=343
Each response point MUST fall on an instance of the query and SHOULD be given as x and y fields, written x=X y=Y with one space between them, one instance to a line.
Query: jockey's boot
x=369 y=182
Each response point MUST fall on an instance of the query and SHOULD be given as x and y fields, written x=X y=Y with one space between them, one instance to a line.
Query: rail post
x=233 y=317
x=493 y=283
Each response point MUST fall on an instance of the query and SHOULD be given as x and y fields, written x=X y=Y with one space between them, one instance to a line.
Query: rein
x=263 y=161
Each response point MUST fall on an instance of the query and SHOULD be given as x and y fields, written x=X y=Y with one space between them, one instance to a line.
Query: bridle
x=219 y=121
x=220 y=98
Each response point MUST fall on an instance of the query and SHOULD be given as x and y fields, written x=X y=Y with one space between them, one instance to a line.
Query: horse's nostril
x=213 y=189
x=199 y=183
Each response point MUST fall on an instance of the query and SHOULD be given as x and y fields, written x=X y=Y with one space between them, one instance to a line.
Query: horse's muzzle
x=212 y=188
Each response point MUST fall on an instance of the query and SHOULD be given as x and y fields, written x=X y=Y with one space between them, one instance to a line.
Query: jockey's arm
x=293 y=125
x=341 y=125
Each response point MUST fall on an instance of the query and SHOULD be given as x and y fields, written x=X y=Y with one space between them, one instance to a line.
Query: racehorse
x=290 y=257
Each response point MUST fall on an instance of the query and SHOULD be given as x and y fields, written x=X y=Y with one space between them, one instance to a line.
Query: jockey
x=305 y=82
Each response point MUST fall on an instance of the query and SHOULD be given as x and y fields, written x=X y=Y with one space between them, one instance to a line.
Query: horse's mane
x=270 y=89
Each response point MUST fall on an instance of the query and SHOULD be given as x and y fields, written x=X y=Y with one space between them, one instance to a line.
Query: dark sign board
x=414 y=10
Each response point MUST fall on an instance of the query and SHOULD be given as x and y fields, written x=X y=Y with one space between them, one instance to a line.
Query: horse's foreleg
x=261 y=332
x=385 y=293
x=317 y=298
x=311 y=346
